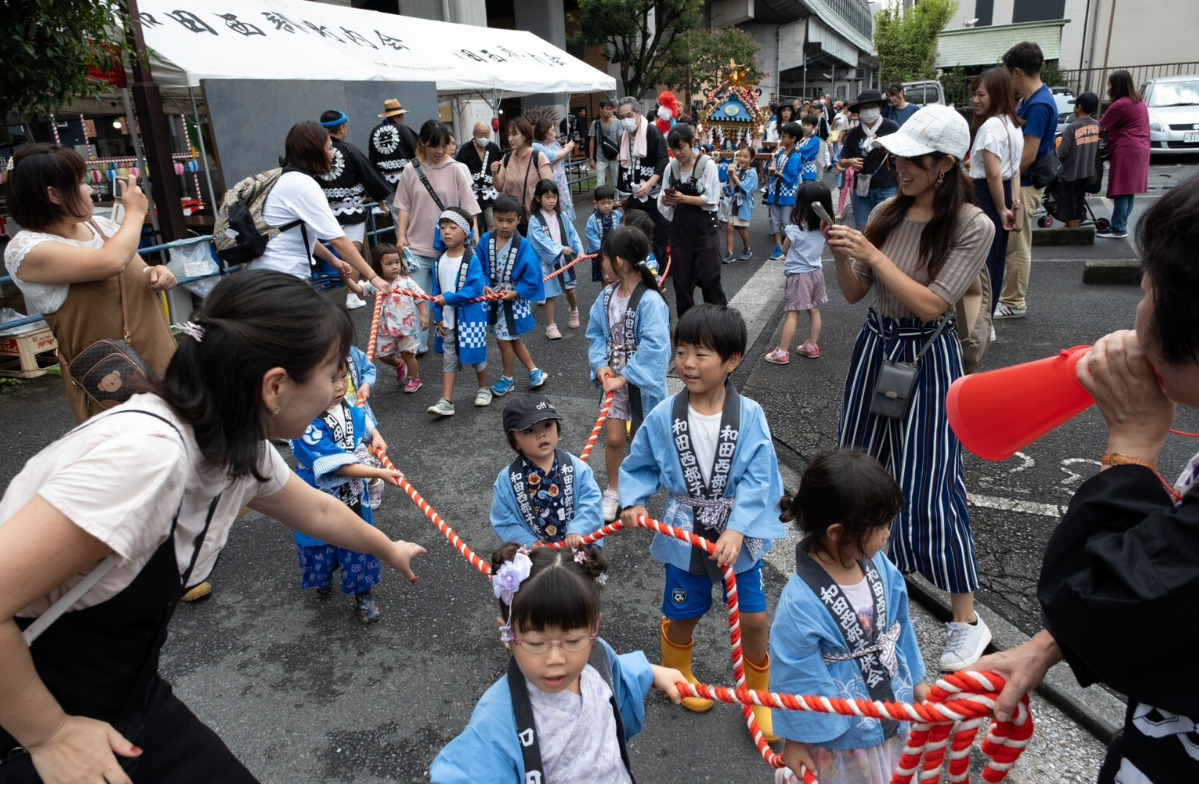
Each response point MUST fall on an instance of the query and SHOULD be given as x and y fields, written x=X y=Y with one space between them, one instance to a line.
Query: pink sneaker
x=401 y=372
x=778 y=356
x=552 y=332
x=572 y=319
x=412 y=385
x=808 y=350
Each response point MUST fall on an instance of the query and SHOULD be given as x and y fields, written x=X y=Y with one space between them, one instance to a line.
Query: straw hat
x=393 y=107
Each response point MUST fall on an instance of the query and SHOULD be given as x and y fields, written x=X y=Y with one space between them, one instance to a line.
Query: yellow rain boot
x=678 y=656
x=758 y=678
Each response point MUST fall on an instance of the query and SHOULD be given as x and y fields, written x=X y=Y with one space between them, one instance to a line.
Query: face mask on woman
x=630 y=124
x=869 y=116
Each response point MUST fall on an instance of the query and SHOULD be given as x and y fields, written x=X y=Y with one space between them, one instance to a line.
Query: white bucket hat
x=935 y=128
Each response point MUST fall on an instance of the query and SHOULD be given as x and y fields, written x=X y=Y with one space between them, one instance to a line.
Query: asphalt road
x=303 y=692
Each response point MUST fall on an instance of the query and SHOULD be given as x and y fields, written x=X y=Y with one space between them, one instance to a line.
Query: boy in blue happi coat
x=461 y=325
x=710 y=448
x=603 y=220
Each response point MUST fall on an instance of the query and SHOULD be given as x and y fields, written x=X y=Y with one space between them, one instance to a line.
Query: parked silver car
x=1173 y=103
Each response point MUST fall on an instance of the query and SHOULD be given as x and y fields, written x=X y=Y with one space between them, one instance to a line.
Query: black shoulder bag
x=896 y=381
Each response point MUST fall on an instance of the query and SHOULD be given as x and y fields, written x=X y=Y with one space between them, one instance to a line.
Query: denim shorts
x=688 y=596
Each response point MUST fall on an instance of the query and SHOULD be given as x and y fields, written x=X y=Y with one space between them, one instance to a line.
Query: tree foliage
x=710 y=54
x=906 y=41
x=640 y=36
x=47 y=47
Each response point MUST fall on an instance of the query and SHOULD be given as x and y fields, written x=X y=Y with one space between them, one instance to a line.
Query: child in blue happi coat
x=710 y=448
x=331 y=456
x=462 y=326
x=741 y=185
x=603 y=220
x=568 y=703
x=809 y=148
x=782 y=181
x=557 y=244
x=511 y=266
x=842 y=629
x=546 y=495
x=628 y=346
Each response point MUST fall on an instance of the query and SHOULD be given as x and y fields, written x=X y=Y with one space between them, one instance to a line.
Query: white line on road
x=1016 y=506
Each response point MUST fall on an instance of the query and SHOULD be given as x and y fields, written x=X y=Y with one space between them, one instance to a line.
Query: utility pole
x=147 y=100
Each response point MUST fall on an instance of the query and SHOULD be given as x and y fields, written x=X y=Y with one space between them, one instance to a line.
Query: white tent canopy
x=298 y=40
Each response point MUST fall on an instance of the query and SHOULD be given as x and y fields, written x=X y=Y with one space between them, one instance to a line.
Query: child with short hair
x=557 y=243
x=461 y=324
x=402 y=317
x=809 y=148
x=782 y=181
x=545 y=495
x=511 y=266
x=741 y=186
x=1079 y=150
x=331 y=457
x=566 y=691
x=805 y=272
x=843 y=509
x=639 y=219
x=605 y=218
x=710 y=448
x=628 y=341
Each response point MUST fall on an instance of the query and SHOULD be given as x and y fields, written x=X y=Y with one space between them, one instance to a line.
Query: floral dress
x=565 y=202
x=399 y=320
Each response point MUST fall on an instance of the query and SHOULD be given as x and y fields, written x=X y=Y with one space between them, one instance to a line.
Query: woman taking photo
x=546 y=135
x=995 y=163
x=297 y=196
x=1126 y=123
x=82 y=272
x=519 y=172
x=919 y=253
x=435 y=182
x=155 y=485
x=688 y=199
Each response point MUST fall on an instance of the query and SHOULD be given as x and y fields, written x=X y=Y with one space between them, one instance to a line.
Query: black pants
x=997 y=256
x=695 y=251
x=177 y=748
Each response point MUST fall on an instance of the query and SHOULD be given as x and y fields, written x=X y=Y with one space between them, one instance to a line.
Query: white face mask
x=630 y=124
x=664 y=113
x=869 y=116
x=482 y=141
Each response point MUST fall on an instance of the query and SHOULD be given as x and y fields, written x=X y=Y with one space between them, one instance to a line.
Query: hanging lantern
x=192 y=166
x=178 y=168
x=112 y=174
x=95 y=176
x=133 y=172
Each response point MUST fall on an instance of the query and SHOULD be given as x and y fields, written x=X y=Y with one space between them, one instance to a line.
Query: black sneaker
x=368 y=610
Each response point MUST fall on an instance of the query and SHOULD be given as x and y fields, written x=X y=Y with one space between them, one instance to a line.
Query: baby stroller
x=1052 y=204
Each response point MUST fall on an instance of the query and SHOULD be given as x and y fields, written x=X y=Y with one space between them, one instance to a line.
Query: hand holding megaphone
x=997 y=413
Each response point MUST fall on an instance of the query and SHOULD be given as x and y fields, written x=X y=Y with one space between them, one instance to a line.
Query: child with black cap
x=1078 y=150
x=546 y=494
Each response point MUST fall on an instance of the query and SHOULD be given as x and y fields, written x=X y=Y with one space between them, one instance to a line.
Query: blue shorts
x=359 y=572
x=689 y=596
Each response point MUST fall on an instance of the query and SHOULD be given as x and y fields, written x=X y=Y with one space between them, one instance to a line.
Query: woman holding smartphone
x=82 y=272
x=690 y=194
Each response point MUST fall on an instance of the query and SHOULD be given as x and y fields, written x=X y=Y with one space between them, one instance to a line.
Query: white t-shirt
x=296 y=195
x=998 y=135
x=447 y=278
x=120 y=477
x=862 y=601
x=705 y=432
x=706 y=176
x=48 y=298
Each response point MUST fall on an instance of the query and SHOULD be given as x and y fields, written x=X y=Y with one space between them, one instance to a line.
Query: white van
x=928 y=91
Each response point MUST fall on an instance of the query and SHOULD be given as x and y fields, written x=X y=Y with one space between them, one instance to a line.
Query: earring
x=940 y=180
x=277 y=411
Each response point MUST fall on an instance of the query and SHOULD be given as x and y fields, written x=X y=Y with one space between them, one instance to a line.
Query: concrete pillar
x=545 y=19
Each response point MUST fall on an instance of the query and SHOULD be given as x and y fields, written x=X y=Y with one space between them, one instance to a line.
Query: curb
x=1076 y=236
x=1093 y=708
x=1112 y=271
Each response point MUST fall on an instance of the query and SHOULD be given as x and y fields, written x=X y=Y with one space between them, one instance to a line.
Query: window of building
x=984 y=11
x=1038 y=10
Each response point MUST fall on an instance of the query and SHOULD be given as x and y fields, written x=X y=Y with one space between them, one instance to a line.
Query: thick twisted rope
x=372 y=341
x=599 y=425
x=565 y=268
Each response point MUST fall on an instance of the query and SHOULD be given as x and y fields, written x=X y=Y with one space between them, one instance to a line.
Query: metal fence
x=957 y=84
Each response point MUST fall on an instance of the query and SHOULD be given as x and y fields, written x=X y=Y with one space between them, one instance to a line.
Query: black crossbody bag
x=892 y=396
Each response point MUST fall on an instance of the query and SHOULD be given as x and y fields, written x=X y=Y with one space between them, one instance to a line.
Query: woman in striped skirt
x=919 y=253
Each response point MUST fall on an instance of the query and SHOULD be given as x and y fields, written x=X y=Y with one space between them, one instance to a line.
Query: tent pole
x=203 y=153
x=141 y=157
x=456 y=108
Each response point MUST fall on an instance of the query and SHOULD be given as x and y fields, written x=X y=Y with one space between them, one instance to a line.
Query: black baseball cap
x=1088 y=101
x=526 y=410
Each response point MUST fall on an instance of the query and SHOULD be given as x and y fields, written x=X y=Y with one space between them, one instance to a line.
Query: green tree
x=639 y=36
x=906 y=42
x=709 y=55
x=47 y=47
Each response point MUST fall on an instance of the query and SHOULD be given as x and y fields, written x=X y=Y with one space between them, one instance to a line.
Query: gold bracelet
x=1119 y=460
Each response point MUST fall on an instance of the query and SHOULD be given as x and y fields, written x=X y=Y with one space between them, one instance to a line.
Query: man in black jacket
x=393 y=144
x=873 y=183
x=478 y=154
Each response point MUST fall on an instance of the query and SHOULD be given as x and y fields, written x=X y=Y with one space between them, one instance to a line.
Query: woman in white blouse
x=995 y=163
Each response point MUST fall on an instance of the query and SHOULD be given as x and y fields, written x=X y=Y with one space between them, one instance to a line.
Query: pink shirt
x=452 y=182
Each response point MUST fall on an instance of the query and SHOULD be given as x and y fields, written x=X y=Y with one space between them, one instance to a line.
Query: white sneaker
x=611 y=502
x=483 y=397
x=965 y=644
x=354 y=301
x=443 y=407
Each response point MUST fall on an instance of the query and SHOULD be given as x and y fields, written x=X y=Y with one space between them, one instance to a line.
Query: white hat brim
x=902 y=145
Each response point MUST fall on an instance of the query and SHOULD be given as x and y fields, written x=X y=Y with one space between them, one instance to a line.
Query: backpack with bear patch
x=241 y=234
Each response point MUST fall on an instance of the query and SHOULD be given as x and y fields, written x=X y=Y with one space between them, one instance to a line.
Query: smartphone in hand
x=819 y=210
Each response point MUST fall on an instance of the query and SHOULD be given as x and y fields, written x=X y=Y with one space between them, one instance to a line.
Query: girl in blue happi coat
x=462 y=326
x=741 y=185
x=709 y=447
x=628 y=346
x=545 y=495
x=557 y=244
x=511 y=266
x=568 y=703
x=842 y=628
x=331 y=456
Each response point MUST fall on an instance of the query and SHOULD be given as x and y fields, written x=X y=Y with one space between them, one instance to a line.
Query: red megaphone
x=998 y=412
